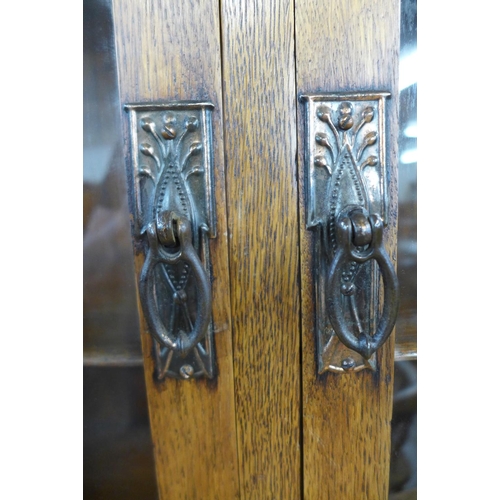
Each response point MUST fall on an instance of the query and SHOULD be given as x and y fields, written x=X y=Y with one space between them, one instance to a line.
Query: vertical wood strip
x=170 y=50
x=260 y=142
x=346 y=45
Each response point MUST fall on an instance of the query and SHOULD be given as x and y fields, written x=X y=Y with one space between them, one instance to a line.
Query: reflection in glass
x=118 y=452
x=406 y=326
x=110 y=317
x=403 y=478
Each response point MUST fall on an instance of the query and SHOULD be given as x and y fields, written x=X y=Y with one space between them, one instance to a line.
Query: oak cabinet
x=267 y=425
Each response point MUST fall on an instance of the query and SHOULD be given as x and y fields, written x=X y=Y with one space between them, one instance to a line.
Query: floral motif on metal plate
x=173 y=218
x=345 y=166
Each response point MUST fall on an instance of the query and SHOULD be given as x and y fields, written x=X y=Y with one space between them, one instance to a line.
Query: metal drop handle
x=348 y=187
x=167 y=230
x=173 y=208
x=359 y=239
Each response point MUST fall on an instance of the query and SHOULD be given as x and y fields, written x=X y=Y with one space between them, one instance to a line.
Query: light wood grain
x=170 y=50
x=346 y=45
x=260 y=135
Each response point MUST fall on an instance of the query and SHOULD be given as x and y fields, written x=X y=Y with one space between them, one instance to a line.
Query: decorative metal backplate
x=345 y=172
x=172 y=186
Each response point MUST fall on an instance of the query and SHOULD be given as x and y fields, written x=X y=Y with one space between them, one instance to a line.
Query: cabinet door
x=170 y=51
x=266 y=426
x=346 y=46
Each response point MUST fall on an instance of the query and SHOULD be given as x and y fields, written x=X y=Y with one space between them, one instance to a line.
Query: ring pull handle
x=360 y=239
x=171 y=230
x=349 y=189
x=172 y=198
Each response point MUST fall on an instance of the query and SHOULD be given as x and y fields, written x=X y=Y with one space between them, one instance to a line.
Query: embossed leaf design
x=195 y=148
x=368 y=114
x=147 y=124
x=195 y=170
x=146 y=149
x=192 y=123
x=320 y=161
x=321 y=139
x=371 y=138
x=146 y=172
x=372 y=161
x=323 y=113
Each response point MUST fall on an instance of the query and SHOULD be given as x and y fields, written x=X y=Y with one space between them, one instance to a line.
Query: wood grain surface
x=242 y=438
x=346 y=45
x=170 y=50
x=260 y=145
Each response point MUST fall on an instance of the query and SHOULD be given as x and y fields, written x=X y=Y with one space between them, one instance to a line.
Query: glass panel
x=406 y=326
x=118 y=452
x=110 y=314
x=403 y=479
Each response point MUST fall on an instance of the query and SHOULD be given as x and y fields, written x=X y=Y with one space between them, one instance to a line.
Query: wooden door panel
x=268 y=426
x=260 y=145
x=168 y=51
x=346 y=46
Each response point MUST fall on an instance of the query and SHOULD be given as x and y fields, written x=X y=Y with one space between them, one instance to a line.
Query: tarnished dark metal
x=347 y=207
x=185 y=253
x=348 y=251
x=173 y=217
x=361 y=228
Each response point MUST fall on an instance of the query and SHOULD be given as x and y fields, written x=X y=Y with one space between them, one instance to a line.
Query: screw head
x=348 y=364
x=346 y=122
x=186 y=371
